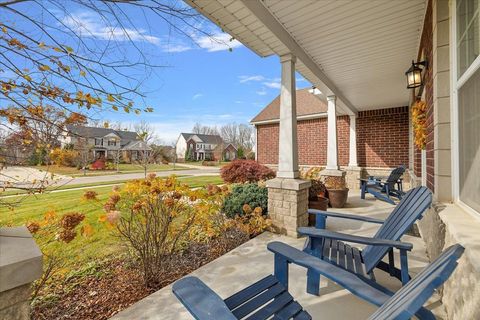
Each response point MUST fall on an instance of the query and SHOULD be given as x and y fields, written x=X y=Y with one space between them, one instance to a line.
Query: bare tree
x=201 y=129
x=51 y=60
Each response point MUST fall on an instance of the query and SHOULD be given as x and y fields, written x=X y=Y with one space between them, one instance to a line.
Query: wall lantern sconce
x=414 y=74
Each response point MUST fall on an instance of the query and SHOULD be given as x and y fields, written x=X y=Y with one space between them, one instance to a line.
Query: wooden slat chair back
x=410 y=298
x=394 y=176
x=402 y=218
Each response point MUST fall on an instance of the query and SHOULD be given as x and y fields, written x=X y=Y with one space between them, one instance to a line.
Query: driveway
x=26 y=176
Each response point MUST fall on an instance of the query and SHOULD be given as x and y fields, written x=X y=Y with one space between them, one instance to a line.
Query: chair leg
x=363 y=188
x=404 y=266
x=313 y=282
x=391 y=262
x=281 y=270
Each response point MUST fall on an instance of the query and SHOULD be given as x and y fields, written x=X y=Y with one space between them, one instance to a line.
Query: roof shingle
x=307 y=104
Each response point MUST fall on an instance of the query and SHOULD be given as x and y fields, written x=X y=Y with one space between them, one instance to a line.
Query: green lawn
x=123 y=168
x=82 y=249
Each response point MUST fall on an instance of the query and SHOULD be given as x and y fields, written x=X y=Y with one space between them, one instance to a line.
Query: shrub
x=241 y=171
x=99 y=164
x=335 y=182
x=64 y=157
x=157 y=217
x=207 y=163
x=243 y=195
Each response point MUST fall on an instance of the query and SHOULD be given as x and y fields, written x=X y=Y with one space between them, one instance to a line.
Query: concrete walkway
x=251 y=262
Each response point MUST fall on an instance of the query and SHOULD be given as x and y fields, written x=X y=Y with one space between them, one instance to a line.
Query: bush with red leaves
x=241 y=171
x=98 y=165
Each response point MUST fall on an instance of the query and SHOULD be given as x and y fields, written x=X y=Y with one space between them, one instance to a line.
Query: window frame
x=456 y=84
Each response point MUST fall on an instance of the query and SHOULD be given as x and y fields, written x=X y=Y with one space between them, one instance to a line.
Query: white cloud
x=217 y=42
x=196 y=96
x=175 y=48
x=89 y=24
x=262 y=92
x=244 y=79
x=272 y=84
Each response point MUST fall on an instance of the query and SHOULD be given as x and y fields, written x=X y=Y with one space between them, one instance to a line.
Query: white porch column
x=288 y=195
x=352 y=162
x=332 y=148
x=288 y=149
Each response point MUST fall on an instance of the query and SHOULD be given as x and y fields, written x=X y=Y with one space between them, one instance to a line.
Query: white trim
x=299 y=118
x=454 y=102
x=456 y=85
x=469 y=72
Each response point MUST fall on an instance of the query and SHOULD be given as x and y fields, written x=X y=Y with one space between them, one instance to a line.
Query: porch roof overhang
x=356 y=50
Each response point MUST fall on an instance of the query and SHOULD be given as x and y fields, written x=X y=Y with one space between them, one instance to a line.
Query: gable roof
x=307 y=104
x=94 y=132
x=205 y=138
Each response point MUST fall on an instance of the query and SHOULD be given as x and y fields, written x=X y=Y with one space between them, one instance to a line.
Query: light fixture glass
x=414 y=75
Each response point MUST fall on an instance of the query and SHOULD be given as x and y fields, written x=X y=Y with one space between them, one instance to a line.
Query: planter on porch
x=337 y=188
x=338 y=197
x=321 y=203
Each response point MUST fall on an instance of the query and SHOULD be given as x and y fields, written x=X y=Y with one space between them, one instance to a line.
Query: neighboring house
x=107 y=143
x=204 y=147
x=382 y=135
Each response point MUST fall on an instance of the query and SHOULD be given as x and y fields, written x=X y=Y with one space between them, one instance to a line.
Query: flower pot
x=320 y=204
x=338 y=197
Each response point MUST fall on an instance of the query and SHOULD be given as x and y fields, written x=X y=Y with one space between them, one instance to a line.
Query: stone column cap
x=332 y=172
x=288 y=184
x=20 y=258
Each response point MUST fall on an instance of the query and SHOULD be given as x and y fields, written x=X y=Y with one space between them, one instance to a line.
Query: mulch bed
x=102 y=296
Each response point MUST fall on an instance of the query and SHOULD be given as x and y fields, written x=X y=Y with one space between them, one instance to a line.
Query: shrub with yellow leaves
x=157 y=217
x=419 y=122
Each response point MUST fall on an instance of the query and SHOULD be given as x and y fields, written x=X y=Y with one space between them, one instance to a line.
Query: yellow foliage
x=419 y=122
x=63 y=157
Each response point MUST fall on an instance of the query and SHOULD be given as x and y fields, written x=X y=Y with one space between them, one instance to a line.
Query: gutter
x=299 y=118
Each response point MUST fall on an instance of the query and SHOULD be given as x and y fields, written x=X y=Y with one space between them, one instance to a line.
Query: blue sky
x=202 y=81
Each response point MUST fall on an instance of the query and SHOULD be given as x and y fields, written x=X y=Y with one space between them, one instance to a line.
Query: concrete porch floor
x=251 y=262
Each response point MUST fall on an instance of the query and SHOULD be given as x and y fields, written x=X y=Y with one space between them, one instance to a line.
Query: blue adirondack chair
x=383 y=189
x=331 y=247
x=269 y=297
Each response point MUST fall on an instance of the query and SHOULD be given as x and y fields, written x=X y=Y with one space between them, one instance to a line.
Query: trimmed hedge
x=241 y=171
x=251 y=194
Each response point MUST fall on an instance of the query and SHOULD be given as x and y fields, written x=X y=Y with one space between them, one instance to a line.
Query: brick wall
x=382 y=139
x=426 y=48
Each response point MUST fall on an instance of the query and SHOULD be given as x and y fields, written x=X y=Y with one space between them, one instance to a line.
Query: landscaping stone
x=20 y=265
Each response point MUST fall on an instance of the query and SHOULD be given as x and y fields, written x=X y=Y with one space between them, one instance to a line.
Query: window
x=469 y=141
x=467 y=34
x=467 y=101
x=98 y=142
x=112 y=142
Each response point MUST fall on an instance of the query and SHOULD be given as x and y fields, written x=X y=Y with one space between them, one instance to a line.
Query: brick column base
x=288 y=204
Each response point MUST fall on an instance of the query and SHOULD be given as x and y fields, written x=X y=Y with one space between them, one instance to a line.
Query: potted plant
x=337 y=190
x=316 y=199
x=317 y=193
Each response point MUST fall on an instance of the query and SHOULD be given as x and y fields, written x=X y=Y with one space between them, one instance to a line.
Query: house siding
x=382 y=139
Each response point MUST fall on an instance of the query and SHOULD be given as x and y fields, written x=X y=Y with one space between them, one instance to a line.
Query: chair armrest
x=201 y=301
x=345 y=216
x=321 y=233
x=344 y=278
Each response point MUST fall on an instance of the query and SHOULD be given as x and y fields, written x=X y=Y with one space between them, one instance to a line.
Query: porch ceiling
x=358 y=50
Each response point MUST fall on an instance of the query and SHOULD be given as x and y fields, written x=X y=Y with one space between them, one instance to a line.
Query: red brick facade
x=382 y=139
x=426 y=52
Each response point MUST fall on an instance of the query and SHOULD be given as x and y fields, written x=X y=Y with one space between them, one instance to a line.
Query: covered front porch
x=252 y=261
x=355 y=55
